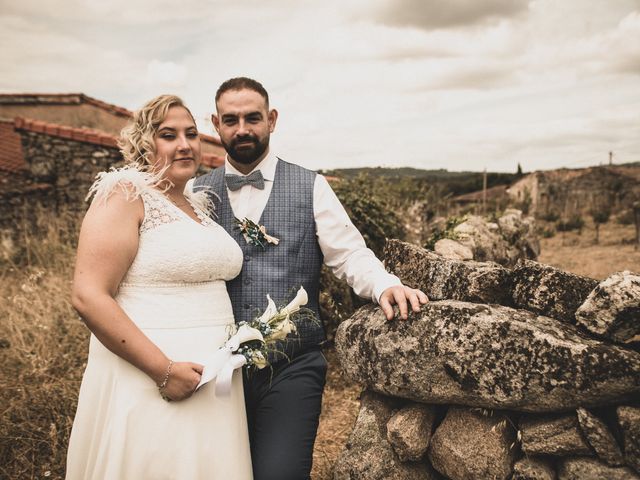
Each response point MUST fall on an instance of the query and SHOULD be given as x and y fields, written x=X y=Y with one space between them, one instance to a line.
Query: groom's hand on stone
x=402 y=296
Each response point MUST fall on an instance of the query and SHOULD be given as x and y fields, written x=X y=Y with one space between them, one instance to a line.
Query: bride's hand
x=183 y=380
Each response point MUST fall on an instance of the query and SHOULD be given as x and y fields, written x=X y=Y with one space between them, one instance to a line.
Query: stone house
x=564 y=192
x=51 y=147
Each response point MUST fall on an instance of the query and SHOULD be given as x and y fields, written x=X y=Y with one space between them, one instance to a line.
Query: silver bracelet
x=165 y=380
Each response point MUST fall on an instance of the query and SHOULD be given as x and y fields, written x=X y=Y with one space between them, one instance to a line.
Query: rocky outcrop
x=629 y=422
x=486 y=356
x=453 y=250
x=409 y=431
x=549 y=291
x=591 y=469
x=369 y=455
x=556 y=435
x=469 y=444
x=510 y=238
x=442 y=278
x=612 y=309
x=600 y=438
x=531 y=468
x=520 y=393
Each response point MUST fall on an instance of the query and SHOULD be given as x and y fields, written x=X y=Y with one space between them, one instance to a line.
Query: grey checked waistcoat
x=278 y=270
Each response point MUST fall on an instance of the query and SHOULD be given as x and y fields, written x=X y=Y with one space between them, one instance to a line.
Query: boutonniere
x=254 y=234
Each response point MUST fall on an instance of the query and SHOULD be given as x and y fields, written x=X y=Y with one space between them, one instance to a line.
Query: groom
x=298 y=207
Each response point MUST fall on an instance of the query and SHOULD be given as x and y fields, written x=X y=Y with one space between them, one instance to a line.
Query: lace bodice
x=173 y=248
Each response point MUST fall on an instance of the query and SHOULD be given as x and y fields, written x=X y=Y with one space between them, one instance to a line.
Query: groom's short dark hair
x=240 y=83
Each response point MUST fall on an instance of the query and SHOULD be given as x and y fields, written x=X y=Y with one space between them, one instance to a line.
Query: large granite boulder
x=520 y=231
x=453 y=250
x=409 y=430
x=556 y=434
x=580 y=468
x=483 y=238
x=468 y=444
x=629 y=421
x=512 y=237
x=490 y=356
x=612 y=309
x=443 y=278
x=600 y=438
x=549 y=291
x=368 y=454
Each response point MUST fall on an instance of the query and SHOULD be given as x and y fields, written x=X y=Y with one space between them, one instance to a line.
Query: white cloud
x=463 y=85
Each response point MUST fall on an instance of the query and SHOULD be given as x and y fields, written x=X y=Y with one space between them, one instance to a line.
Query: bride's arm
x=107 y=246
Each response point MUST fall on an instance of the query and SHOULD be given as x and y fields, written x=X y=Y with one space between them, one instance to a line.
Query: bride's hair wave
x=136 y=142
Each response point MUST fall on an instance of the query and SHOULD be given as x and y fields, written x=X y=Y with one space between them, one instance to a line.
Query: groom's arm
x=346 y=254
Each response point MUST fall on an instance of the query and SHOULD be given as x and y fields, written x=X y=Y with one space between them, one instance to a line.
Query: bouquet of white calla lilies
x=251 y=342
x=273 y=325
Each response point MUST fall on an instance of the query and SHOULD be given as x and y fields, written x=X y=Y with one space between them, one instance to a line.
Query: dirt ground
x=578 y=253
x=572 y=251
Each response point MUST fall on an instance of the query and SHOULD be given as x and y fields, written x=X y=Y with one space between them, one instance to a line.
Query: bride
x=150 y=285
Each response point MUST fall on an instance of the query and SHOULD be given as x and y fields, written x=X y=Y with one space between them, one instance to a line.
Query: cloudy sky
x=456 y=84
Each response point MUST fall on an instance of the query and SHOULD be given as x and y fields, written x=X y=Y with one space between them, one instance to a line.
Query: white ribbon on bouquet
x=224 y=361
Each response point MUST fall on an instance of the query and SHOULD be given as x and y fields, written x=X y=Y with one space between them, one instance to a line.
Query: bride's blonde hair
x=136 y=141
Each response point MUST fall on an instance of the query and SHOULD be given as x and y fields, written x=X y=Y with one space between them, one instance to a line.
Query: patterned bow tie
x=236 y=182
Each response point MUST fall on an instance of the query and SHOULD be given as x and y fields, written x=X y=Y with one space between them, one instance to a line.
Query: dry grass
x=578 y=253
x=42 y=352
x=340 y=405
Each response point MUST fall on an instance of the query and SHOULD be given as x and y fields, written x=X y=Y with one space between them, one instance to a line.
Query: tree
x=600 y=215
x=519 y=171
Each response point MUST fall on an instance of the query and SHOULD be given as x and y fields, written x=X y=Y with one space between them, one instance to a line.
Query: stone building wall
x=69 y=166
x=58 y=174
x=567 y=192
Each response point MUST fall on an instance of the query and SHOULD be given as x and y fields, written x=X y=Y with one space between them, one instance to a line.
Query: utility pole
x=610 y=158
x=484 y=192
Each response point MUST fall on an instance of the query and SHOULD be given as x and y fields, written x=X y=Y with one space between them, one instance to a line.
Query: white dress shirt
x=342 y=245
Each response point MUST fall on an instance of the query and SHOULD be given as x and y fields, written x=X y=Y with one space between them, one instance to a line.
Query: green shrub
x=446 y=232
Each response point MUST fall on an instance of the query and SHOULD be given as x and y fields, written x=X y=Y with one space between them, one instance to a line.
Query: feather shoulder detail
x=201 y=199
x=129 y=178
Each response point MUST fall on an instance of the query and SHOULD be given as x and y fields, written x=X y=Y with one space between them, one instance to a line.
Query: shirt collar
x=267 y=166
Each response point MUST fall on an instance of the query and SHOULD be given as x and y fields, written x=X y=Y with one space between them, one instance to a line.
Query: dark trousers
x=283 y=408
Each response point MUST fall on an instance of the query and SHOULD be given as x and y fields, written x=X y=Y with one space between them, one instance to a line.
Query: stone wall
x=69 y=166
x=522 y=373
x=58 y=175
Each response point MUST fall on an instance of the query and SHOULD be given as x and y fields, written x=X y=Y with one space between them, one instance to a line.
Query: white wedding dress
x=175 y=293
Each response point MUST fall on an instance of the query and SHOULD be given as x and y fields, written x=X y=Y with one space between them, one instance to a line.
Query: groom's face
x=244 y=124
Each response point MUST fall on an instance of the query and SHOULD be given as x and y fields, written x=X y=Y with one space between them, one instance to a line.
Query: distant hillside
x=454 y=183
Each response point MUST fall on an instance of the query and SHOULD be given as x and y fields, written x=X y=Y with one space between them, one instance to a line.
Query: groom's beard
x=251 y=150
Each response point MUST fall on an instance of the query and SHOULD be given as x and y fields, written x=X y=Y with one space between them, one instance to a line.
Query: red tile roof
x=86 y=135
x=76 y=99
x=60 y=99
x=11 y=158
